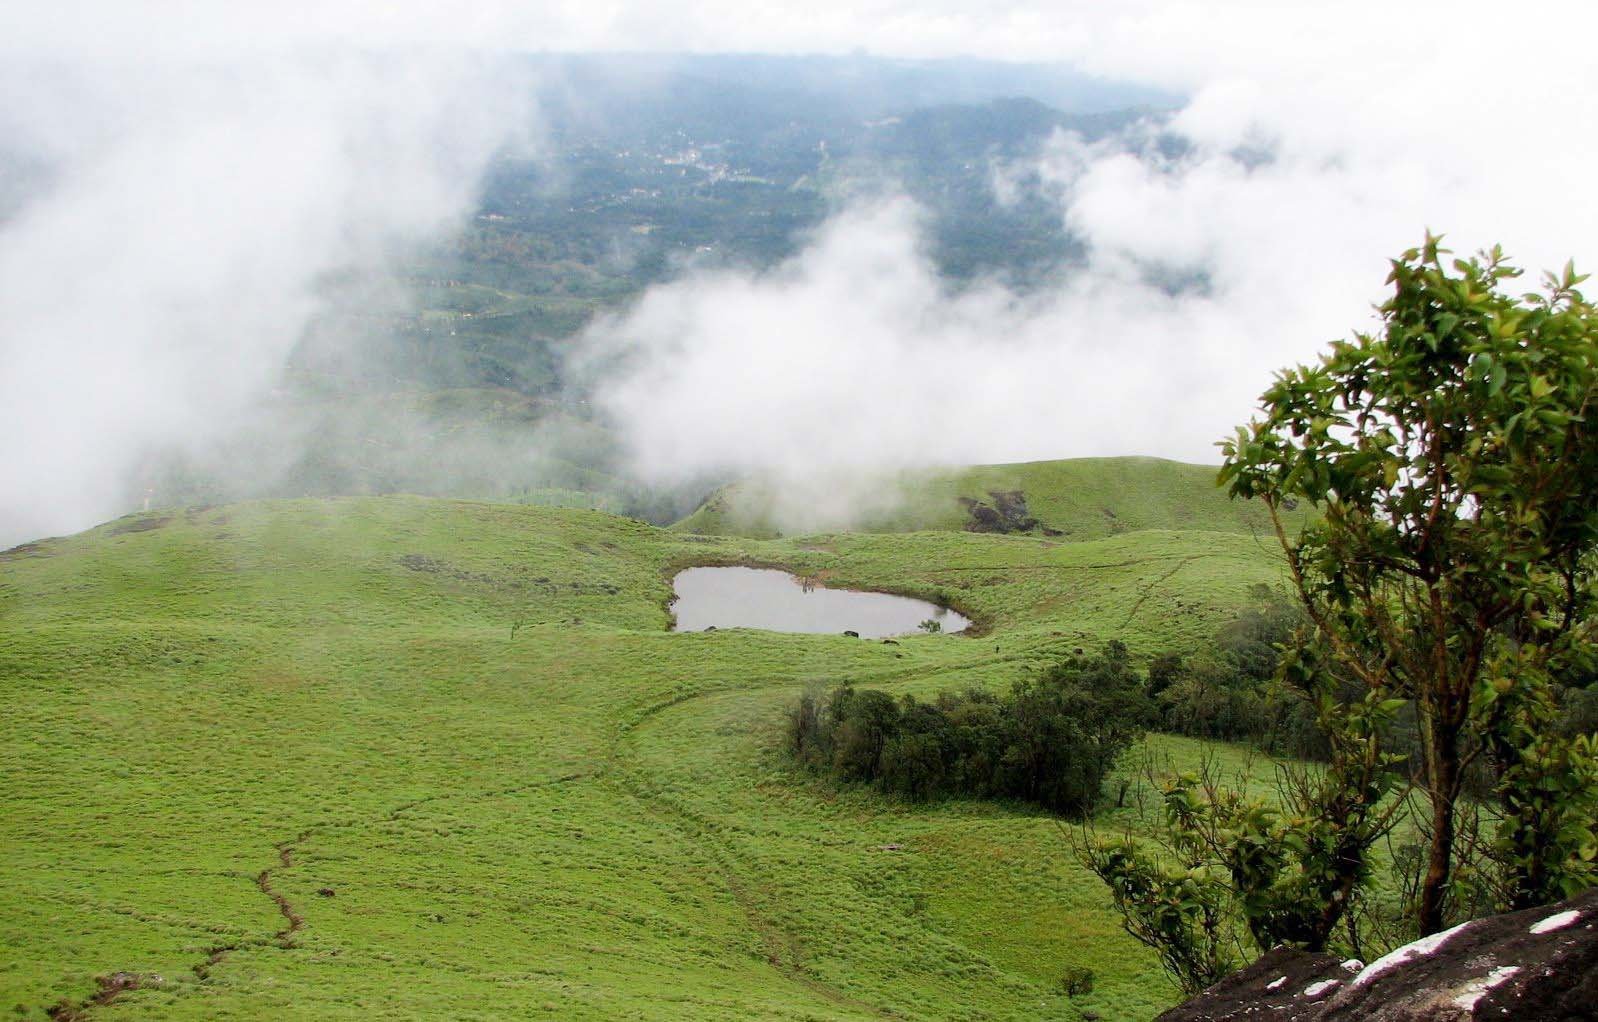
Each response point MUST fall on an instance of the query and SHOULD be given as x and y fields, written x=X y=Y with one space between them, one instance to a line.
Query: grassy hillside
x=1076 y=499
x=399 y=758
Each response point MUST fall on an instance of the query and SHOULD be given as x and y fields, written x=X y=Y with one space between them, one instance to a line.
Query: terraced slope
x=1076 y=499
x=400 y=758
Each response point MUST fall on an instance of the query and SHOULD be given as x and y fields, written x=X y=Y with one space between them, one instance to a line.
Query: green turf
x=528 y=799
x=1080 y=498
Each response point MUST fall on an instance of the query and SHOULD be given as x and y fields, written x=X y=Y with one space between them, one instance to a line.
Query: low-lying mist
x=176 y=230
x=1238 y=236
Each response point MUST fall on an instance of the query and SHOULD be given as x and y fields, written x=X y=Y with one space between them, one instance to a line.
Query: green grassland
x=1079 y=498
x=393 y=757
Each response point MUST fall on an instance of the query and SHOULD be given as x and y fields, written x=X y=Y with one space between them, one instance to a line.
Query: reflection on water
x=780 y=602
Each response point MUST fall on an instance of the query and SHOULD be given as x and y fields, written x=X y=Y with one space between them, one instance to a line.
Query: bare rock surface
x=1540 y=965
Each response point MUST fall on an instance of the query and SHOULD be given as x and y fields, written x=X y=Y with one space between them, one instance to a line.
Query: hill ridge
x=1070 y=499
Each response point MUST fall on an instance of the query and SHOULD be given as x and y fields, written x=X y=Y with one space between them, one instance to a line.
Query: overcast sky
x=207 y=161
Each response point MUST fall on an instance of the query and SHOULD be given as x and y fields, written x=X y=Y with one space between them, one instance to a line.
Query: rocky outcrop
x=1008 y=514
x=1540 y=965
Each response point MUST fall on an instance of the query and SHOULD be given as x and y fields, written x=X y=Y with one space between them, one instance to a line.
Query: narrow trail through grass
x=784 y=948
x=293 y=921
x=1153 y=587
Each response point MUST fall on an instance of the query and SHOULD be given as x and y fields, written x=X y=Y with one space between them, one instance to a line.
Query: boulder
x=1540 y=964
x=1008 y=514
x=1281 y=984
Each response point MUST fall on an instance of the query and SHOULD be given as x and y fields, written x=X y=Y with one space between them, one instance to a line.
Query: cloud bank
x=1314 y=148
x=179 y=221
x=179 y=178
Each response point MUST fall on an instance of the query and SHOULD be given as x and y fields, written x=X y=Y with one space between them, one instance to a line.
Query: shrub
x=1051 y=740
x=1076 y=981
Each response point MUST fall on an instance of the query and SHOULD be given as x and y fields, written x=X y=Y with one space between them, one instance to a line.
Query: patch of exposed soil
x=137 y=523
x=293 y=921
x=213 y=958
x=109 y=989
x=37 y=548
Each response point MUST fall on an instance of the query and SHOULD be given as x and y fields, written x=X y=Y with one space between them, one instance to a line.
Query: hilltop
x=1075 y=499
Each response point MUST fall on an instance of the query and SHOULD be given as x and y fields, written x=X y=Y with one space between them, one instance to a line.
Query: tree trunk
x=1443 y=785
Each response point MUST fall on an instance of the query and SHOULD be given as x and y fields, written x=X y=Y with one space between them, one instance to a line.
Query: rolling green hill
x=1080 y=498
x=388 y=758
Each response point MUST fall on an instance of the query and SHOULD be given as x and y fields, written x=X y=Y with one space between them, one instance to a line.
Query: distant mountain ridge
x=853 y=86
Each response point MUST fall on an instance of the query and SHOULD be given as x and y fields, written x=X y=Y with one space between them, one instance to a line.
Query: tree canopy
x=1453 y=456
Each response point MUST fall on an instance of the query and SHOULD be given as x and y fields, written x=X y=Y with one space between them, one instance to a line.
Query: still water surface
x=780 y=602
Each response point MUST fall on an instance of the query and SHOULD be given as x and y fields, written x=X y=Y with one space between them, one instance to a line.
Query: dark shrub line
x=1050 y=741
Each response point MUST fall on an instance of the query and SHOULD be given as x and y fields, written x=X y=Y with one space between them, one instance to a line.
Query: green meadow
x=392 y=757
x=1080 y=498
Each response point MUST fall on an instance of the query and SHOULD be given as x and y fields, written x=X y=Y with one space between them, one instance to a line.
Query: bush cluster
x=1051 y=740
x=1226 y=690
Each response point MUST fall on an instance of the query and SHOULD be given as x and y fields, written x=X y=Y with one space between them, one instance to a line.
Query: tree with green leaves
x=1453 y=458
x=1230 y=870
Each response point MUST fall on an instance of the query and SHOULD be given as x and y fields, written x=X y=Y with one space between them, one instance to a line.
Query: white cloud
x=854 y=356
x=207 y=163
x=1379 y=122
x=157 y=278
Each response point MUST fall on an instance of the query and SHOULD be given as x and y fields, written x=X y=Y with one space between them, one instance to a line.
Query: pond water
x=780 y=602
